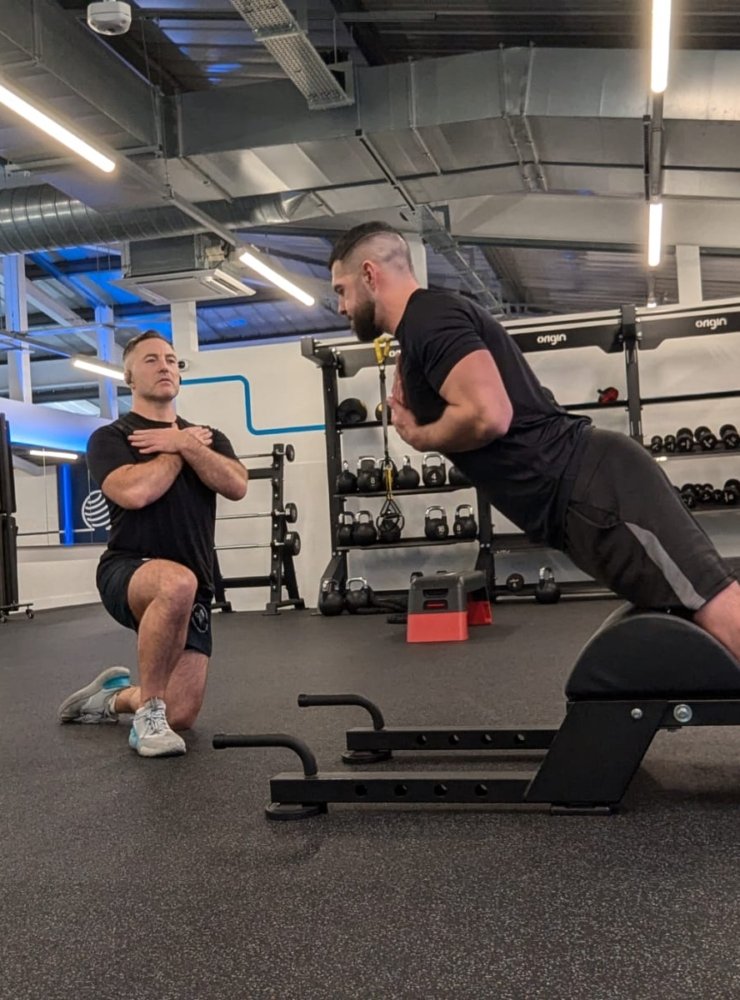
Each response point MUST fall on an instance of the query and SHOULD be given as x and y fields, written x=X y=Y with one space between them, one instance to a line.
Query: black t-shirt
x=181 y=524
x=528 y=474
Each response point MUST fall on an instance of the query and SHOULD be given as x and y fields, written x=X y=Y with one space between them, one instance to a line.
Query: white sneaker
x=151 y=735
x=93 y=704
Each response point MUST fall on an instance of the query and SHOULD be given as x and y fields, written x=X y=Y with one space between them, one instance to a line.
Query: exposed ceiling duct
x=41 y=218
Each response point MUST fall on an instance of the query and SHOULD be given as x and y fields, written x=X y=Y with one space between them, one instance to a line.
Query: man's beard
x=363 y=322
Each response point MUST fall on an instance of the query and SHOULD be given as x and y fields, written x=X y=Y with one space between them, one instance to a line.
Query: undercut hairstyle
x=375 y=240
x=135 y=341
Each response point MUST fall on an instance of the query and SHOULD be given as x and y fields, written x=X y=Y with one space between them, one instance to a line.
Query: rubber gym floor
x=162 y=879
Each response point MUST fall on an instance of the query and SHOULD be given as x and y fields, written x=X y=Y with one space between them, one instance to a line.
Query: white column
x=418 y=258
x=109 y=351
x=184 y=318
x=16 y=321
x=688 y=270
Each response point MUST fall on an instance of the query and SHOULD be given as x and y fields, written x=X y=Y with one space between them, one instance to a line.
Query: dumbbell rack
x=282 y=569
x=343 y=360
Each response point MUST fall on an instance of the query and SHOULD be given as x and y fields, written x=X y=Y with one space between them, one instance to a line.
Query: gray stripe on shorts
x=680 y=584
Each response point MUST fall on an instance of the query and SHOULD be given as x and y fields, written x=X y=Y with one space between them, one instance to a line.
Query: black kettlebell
x=729 y=435
x=345 y=528
x=457 y=478
x=515 y=583
x=433 y=469
x=547 y=590
x=331 y=598
x=435 y=524
x=685 y=439
x=656 y=444
x=389 y=527
x=364 y=532
x=707 y=440
x=369 y=475
x=357 y=594
x=346 y=480
x=408 y=477
x=464 y=525
x=351 y=411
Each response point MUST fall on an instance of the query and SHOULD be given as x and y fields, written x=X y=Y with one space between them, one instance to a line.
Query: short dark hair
x=146 y=335
x=358 y=234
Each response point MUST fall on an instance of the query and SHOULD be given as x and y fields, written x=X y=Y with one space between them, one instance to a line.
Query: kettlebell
x=369 y=475
x=351 y=411
x=457 y=478
x=547 y=590
x=433 y=469
x=408 y=477
x=331 y=598
x=389 y=527
x=464 y=525
x=346 y=480
x=364 y=532
x=357 y=594
x=345 y=528
x=436 y=527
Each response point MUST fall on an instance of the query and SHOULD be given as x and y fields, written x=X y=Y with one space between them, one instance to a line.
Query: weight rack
x=282 y=569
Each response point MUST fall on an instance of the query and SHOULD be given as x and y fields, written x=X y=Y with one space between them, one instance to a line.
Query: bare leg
x=721 y=618
x=160 y=595
x=183 y=695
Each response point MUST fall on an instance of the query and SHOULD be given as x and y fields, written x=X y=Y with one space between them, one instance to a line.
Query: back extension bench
x=639 y=673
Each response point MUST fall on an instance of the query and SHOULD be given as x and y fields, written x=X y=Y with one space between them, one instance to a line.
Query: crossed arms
x=138 y=485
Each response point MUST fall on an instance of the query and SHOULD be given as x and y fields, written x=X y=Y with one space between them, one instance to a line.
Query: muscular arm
x=478 y=409
x=221 y=474
x=136 y=486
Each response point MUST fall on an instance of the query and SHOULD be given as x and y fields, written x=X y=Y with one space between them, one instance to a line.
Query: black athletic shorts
x=113 y=576
x=627 y=528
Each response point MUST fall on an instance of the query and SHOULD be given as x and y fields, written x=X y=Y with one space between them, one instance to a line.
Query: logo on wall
x=95 y=511
x=713 y=323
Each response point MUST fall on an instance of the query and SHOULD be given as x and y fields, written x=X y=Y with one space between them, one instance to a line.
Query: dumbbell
x=656 y=444
x=433 y=470
x=704 y=492
x=464 y=525
x=408 y=477
x=688 y=495
x=707 y=440
x=369 y=475
x=346 y=480
x=346 y=528
x=732 y=492
x=435 y=524
x=685 y=439
x=670 y=444
x=729 y=435
x=718 y=496
x=547 y=590
x=515 y=583
x=364 y=532
x=351 y=411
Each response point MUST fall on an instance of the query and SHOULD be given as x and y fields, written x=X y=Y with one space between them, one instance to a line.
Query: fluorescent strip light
x=58 y=132
x=661 y=45
x=98 y=367
x=655 y=234
x=258 y=265
x=65 y=456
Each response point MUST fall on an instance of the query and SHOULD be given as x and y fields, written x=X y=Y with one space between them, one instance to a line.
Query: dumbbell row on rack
x=698 y=494
x=685 y=440
x=370 y=475
x=360 y=529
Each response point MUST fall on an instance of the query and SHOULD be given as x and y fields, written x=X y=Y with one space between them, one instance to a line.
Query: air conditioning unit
x=182 y=269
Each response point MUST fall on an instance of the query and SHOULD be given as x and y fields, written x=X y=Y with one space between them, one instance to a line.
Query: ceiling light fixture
x=251 y=260
x=97 y=367
x=661 y=45
x=52 y=128
x=64 y=456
